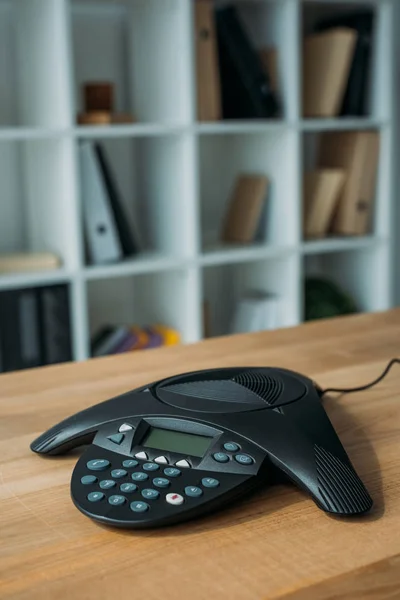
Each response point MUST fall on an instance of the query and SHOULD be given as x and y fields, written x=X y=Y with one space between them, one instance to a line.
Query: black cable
x=363 y=387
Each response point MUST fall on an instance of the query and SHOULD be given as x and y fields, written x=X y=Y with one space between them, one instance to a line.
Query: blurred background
x=177 y=169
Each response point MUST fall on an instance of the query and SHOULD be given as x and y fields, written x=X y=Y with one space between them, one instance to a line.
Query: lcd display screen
x=176 y=441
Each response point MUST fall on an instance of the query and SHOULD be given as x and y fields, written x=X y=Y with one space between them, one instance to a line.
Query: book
x=29 y=329
x=246 y=89
x=245 y=209
x=321 y=189
x=101 y=230
x=209 y=103
x=255 y=311
x=55 y=324
x=327 y=59
x=353 y=151
x=128 y=242
x=269 y=59
x=108 y=340
x=355 y=101
x=28 y=261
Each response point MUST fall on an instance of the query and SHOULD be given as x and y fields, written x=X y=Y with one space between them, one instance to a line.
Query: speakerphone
x=189 y=444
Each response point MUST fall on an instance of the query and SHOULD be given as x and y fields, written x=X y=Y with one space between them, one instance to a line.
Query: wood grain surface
x=276 y=544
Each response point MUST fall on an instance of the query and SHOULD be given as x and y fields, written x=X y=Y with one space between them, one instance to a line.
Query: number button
x=130 y=463
x=210 y=482
x=149 y=494
x=231 y=447
x=88 y=479
x=118 y=473
x=139 y=507
x=139 y=476
x=172 y=472
x=221 y=457
x=150 y=467
x=161 y=482
x=95 y=496
x=244 y=459
x=116 y=500
x=128 y=488
x=193 y=491
x=106 y=484
x=98 y=464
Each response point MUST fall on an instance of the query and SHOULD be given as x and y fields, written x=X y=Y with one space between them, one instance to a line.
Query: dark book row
x=35 y=327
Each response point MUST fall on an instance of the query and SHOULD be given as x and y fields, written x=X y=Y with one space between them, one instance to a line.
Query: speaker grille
x=224 y=390
x=266 y=387
x=339 y=485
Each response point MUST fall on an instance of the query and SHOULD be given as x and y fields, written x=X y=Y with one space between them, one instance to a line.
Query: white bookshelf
x=174 y=173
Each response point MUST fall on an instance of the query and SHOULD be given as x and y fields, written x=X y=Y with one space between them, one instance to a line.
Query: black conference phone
x=189 y=444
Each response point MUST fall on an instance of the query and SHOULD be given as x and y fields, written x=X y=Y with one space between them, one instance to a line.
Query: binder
x=355 y=152
x=128 y=243
x=246 y=89
x=321 y=190
x=55 y=324
x=209 y=104
x=28 y=261
x=101 y=230
x=269 y=59
x=327 y=59
x=245 y=209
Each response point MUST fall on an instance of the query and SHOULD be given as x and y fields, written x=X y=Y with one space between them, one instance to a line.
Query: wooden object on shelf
x=28 y=261
x=98 y=96
x=209 y=103
x=321 y=190
x=245 y=209
x=327 y=59
x=104 y=118
x=51 y=551
x=269 y=59
x=356 y=152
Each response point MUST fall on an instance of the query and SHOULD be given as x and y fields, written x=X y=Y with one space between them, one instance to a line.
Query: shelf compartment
x=137 y=47
x=225 y=285
x=145 y=299
x=37 y=198
x=223 y=158
x=154 y=177
x=317 y=11
x=362 y=273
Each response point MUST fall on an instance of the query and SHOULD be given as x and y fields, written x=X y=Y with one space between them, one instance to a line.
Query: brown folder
x=327 y=58
x=245 y=208
x=357 y=153
x=321 y=191
x=209 y=104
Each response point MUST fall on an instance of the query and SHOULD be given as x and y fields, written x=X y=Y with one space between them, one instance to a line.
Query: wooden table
x=275 y=545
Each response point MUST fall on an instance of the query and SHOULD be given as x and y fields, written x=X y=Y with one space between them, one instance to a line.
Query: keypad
x=107 y=484
x=144 y=497
x=150 y=494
